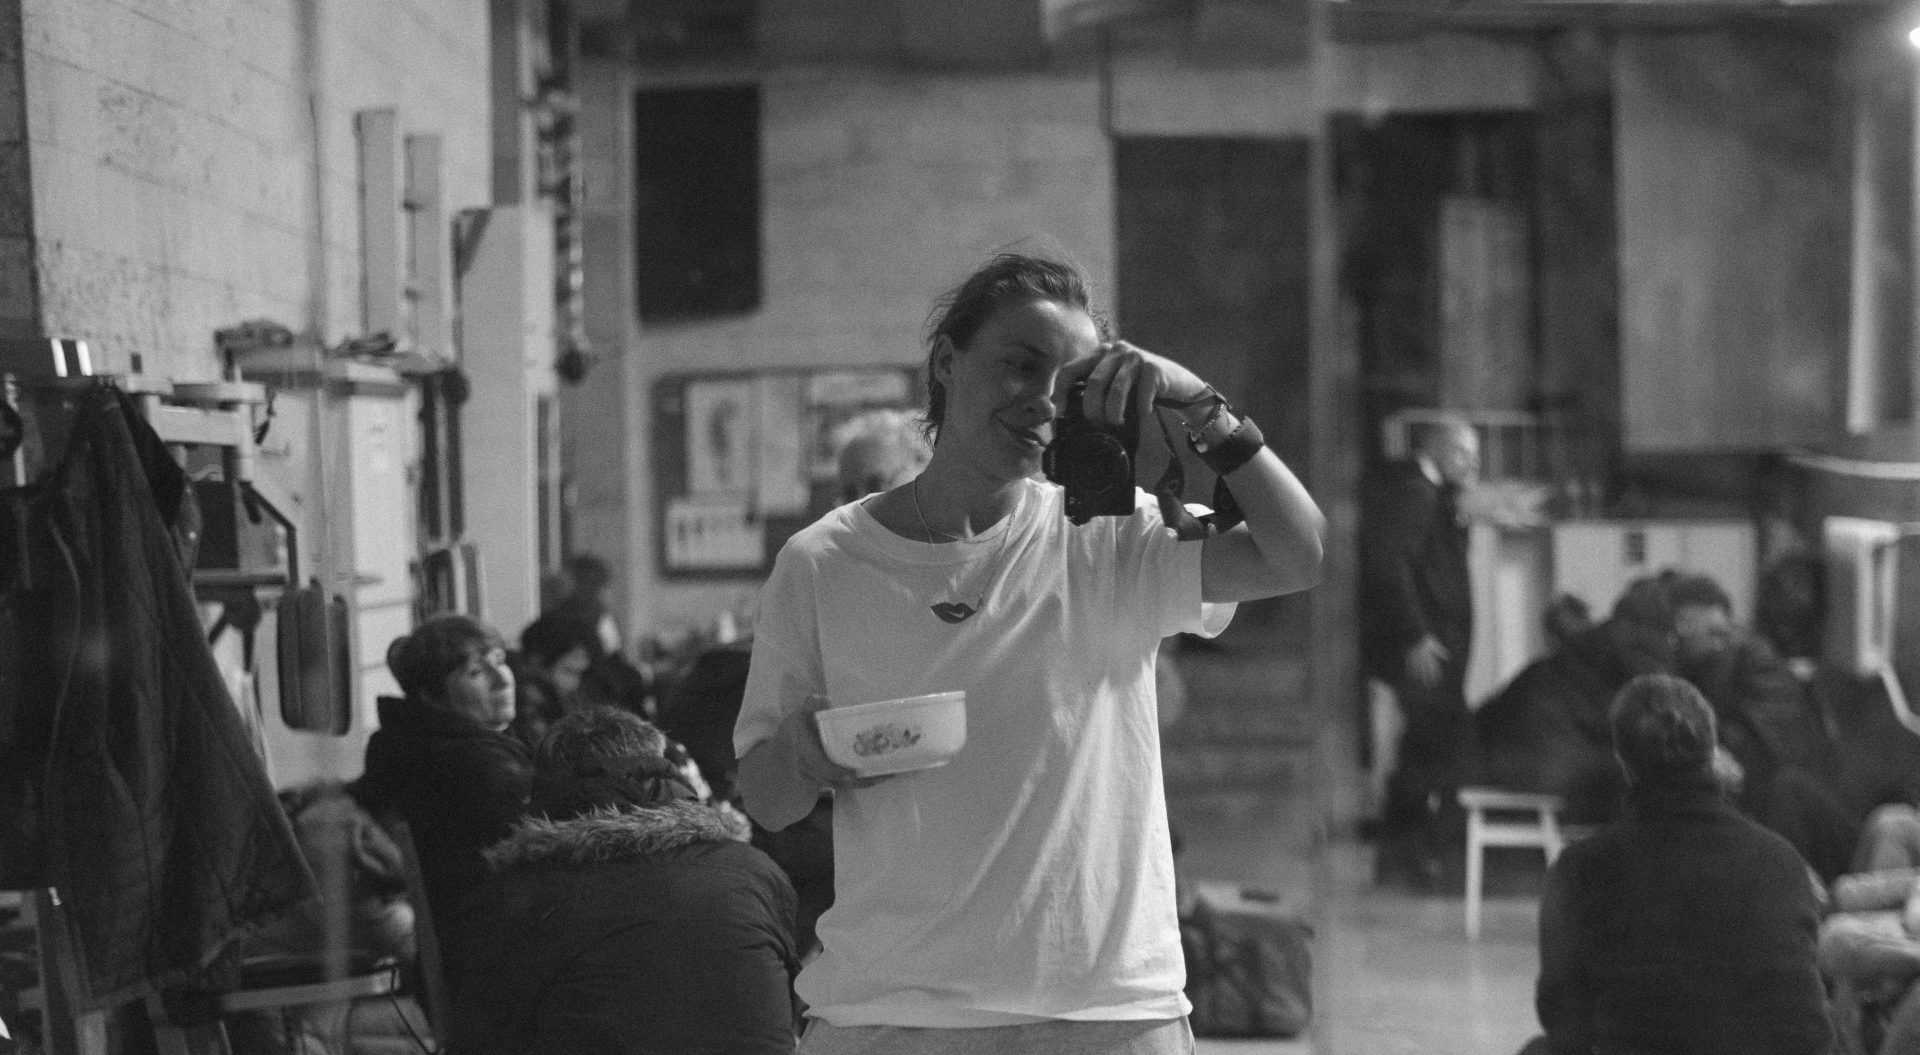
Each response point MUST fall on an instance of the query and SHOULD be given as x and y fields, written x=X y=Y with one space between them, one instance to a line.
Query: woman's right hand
x=802 y=735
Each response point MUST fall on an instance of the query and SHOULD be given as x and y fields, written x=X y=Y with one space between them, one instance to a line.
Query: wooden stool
x=1518 y=818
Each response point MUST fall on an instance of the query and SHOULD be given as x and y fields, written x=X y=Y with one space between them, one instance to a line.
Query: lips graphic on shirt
x=954 y=611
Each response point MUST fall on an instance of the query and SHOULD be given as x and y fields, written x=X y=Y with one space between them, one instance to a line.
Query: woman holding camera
x=1019 y=897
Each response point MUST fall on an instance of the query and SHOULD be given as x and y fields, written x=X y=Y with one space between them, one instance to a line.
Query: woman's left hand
x=1123 y=375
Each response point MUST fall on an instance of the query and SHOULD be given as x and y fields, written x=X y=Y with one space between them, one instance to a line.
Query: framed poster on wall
x=743 y=459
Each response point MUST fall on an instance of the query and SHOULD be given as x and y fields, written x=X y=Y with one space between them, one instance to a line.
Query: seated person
x=624 y=916
x=878 y=451
x=581 y=597
x=1790 y=606
x=361 y=879
x=700 y=711
x=1870 y=945
x=556 y=652
x=358 y=867
x=1683 y=926
x=443 y=761
x=1546 y=731
x=1761 y=707
x=1770 y=721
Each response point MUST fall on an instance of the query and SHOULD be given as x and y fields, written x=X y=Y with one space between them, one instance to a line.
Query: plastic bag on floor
x=1249 y=963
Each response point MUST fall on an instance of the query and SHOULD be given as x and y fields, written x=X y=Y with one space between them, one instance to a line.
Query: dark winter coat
x=1413 y=572
x=1682 y=927
x=148 y=805
x=459 y=786
x=1765 y=716
x=637 y=930
x=1547 y=729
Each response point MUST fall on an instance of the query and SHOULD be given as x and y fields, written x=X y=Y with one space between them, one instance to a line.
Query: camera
x=1093 y=462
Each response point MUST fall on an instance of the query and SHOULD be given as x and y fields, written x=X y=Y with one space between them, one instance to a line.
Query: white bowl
x=895 y=736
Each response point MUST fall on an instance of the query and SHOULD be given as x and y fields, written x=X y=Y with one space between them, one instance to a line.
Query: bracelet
x=1194 y=432
x=1235 y=451
x=1211 y=395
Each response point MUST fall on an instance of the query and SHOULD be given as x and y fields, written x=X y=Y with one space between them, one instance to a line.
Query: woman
x=556 y=652
x=625 y=916
x=442 y=759
x=1021 y=897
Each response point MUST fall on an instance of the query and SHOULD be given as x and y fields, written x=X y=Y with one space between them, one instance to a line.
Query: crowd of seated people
x=1811 y=745
x=1810 y=761
x=553 y=854
x=1546 y=731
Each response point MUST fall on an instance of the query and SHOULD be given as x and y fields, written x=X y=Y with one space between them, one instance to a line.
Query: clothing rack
x=39 y=375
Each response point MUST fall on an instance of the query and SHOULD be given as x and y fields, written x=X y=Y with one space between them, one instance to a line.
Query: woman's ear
x=943 y=353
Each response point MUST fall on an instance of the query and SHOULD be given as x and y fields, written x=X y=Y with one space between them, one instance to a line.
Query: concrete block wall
x=880 y=189
x=194 y=165
x=181 y=182
x=882 y=186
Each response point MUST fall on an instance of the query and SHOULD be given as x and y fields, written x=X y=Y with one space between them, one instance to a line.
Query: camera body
x=1092 y=462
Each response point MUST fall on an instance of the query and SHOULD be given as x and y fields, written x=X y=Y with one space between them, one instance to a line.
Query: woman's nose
x=1039 y=397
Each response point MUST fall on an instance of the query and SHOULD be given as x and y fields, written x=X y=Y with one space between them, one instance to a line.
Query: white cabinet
x=1510 y=570
x=1596 y=559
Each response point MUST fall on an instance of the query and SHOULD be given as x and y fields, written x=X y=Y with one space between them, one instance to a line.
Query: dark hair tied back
x=1008 y=278
x=643 y=781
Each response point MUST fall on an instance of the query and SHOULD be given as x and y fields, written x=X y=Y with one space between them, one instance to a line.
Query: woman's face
x=1001 y=388
x=481 y=689
x=567 y=670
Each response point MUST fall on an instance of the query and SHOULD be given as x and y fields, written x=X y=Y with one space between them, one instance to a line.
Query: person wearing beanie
x=1683 y=926
x=624 y=915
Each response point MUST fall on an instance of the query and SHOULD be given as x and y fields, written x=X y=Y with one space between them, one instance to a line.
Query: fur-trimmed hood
x=615 y=834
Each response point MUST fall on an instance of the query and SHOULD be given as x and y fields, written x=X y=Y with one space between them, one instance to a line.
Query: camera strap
x=1171 y=488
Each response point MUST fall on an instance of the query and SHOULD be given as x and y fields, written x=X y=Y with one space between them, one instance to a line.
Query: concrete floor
x=1394 y=973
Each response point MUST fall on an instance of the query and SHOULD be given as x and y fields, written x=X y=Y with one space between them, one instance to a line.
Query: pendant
x=958 y=611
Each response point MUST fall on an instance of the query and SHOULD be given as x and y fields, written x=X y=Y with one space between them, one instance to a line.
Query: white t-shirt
x=1032 y=876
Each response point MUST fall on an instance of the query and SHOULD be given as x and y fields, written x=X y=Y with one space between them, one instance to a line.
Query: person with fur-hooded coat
x=624 y=915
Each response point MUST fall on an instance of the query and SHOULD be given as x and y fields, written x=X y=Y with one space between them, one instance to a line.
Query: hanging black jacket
x=150 y=808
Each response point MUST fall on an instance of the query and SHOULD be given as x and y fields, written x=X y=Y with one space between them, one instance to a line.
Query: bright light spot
x=1913 y=36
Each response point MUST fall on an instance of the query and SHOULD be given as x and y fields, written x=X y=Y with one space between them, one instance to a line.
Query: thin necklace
x=913 y=488
x=961 y=611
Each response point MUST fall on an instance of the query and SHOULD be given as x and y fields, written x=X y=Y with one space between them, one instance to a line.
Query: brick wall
x=174 y=174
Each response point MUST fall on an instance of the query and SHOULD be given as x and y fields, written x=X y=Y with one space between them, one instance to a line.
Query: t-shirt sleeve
x=786 y=667
x=1168 y=573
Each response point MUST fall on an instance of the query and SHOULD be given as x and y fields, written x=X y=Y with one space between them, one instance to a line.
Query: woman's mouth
x=1032 y=438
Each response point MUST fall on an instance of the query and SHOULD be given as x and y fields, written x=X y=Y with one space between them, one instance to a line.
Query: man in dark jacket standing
x=1416 y=625
x=1683 y=926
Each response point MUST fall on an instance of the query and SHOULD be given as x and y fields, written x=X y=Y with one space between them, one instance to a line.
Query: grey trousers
x=1170 y=1036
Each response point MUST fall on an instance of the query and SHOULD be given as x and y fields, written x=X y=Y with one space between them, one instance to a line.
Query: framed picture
x=743 y=459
